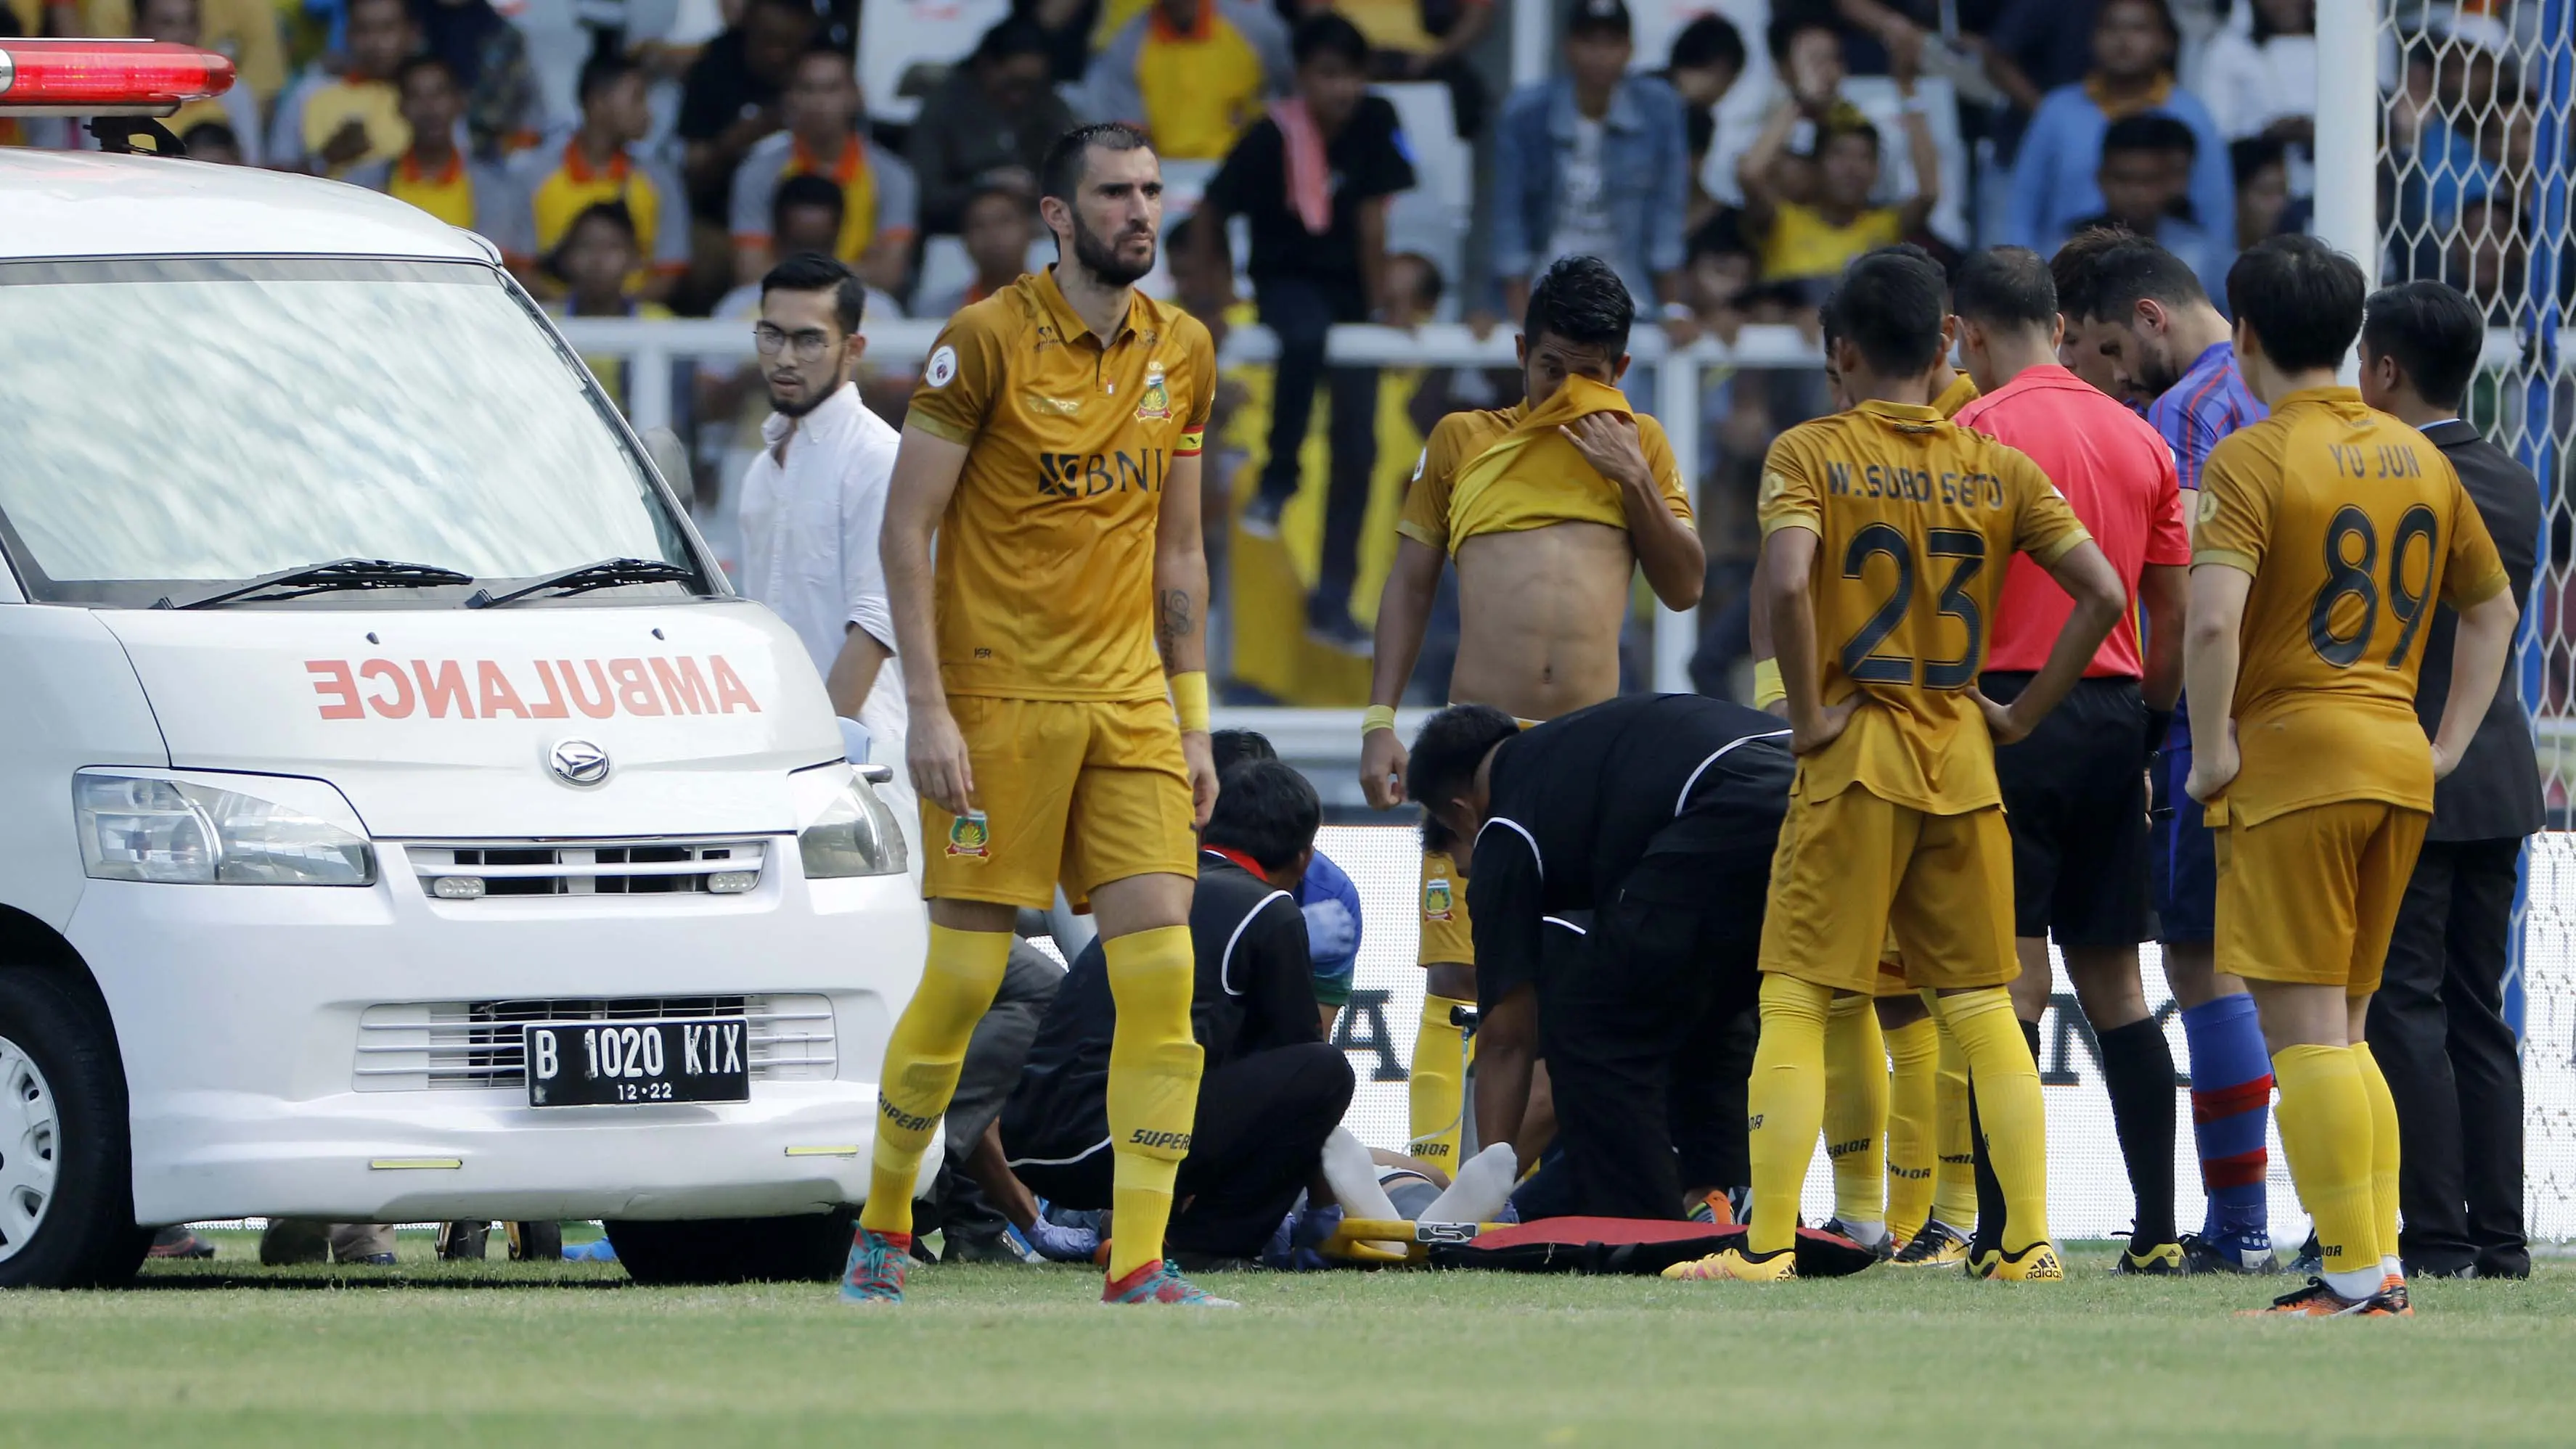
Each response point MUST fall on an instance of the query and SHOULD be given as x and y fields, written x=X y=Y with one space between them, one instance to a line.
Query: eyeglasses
x=810 y=345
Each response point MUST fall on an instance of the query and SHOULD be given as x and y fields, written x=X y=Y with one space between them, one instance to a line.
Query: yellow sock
x=1786 y=1105
x=2326 y=1133
x=922 y=1058
x=1153 y=1087
x=2383 y=1147
x=1439 y=1092
x=1954 y=1173
x=2007 y=1082
x=1913 y=1054
x=1856 y=1108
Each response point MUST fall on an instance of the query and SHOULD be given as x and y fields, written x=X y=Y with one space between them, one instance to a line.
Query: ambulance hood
x=449 y=723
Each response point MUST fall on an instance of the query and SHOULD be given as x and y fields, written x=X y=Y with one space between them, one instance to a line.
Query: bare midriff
x=1539 y=617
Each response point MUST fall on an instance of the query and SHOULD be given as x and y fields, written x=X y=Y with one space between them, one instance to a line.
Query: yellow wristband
x=1376 y=717
x=1767 y=689
x=1190 y=700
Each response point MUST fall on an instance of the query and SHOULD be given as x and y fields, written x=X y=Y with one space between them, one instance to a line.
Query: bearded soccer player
x=1053 y=446
x=1886 y=532
x=2147 y=316
x=1549 y=509
x=2325 y=534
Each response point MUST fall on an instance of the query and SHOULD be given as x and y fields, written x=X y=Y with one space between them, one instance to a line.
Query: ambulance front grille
x=475 y=1045
x=589 y=867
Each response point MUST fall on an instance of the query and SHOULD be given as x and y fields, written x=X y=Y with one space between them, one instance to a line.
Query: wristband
x=1376 y=717
x=1767 y=688
x=1190 y=700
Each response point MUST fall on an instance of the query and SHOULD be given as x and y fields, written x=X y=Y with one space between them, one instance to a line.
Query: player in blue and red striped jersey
x=2157 y=329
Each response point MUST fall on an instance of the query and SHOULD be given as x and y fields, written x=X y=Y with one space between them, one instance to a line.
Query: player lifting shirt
x=2325 y=535
x=1549 y=508
x=1886 y=531
x=1053 y=445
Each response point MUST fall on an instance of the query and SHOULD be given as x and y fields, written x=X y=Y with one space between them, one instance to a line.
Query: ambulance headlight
x=855 y=835
x=189 y=832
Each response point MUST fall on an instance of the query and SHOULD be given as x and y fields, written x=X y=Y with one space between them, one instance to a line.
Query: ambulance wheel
x=810 y=1248
x=536 y=1242
x=66 y=1179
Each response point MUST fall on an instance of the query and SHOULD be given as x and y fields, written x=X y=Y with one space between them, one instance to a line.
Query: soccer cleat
x=1885 y=1248
x=2164 y=1260
x=2036 y=1263
x=875 y=1271
x=1937 y=1246
x=1716 y=1206
x=2238 y=1252
x=2311 y=1259
x=2318 y=1300
x=1160 y=1283
x=2392 y=1290
x=1778 y=1266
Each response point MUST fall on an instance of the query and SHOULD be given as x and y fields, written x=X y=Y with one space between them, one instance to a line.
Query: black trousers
x=2438 y=1031
x=1257 y=1143
x=1299 y=312
x=1641 y=1033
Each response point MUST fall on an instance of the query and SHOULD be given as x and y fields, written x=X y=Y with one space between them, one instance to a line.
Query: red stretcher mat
x=1631 y=1245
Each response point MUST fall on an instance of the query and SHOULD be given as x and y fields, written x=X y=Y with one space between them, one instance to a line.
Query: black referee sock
x=1989 y=1236
x=2138 y=1070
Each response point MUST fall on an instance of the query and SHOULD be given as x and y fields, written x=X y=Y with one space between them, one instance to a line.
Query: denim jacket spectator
x=1645 y=159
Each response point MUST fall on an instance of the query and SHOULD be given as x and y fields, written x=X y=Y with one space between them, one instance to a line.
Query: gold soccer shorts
x=2311 y=896
x=1079 y=792
x=1448 y=937
x=1854 y=872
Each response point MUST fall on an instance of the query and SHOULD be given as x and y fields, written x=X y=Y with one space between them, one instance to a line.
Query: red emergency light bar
x=106 y=77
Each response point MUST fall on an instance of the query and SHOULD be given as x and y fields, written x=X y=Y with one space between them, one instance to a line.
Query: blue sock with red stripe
x=2231 y=1105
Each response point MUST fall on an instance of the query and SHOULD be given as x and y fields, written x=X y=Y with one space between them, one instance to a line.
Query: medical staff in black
x=1271 y=1090
x=1658 y=814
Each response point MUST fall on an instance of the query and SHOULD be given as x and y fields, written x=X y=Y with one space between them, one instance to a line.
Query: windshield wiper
x=608 y=573
x=325 y=578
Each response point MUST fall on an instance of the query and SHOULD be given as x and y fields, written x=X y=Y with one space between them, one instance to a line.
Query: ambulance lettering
x=535 y=689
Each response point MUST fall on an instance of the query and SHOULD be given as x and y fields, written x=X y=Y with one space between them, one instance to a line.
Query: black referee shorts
x=2075 y=797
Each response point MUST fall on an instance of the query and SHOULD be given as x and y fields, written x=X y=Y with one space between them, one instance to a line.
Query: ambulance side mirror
x=671 y=459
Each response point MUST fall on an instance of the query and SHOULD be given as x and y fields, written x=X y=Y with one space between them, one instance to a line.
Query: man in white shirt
x=814 y=500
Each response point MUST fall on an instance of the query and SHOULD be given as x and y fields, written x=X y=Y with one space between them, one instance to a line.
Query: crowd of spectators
x=1728 y=179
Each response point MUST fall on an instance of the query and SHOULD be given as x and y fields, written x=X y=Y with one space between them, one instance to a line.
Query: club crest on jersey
x=1438 y=901
x=2208 y=506
x=1156 y=404
x=971 y=836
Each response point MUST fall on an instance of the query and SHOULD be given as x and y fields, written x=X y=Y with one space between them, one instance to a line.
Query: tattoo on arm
x=1173 y=622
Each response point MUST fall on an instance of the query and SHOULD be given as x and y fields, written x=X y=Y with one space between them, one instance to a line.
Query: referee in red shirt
x=2075 y=791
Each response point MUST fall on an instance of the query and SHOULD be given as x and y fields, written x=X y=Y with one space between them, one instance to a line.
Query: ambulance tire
x=537 y=1243
x=65 y=1161
x=810 y=1248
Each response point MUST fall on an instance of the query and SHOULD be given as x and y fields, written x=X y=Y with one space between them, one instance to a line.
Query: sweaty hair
x=2073 y=268
x=1890 y=306
x=2149 y=133
x=2135 y=270
x=605 y=68
x=1709 y=40
x=2301 y=297
x=1329 y=33
x=1229 y=748
x=1581 y=300
x=1451 y=745
x=814 y=272
x=1060 y=175
x=1265 y=810
x=804 y=191
x=2005 y=287
x=2434 y=331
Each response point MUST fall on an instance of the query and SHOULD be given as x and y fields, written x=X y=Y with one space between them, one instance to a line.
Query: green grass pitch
x=561 y=1355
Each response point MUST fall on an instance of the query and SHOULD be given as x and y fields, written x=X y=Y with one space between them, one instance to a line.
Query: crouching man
x=1272 y=1090
x=1658 y=815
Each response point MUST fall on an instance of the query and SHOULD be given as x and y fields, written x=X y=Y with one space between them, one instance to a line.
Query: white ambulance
x=400 y=817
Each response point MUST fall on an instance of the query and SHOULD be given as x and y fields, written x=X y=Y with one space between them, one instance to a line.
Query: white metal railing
x=650 y=347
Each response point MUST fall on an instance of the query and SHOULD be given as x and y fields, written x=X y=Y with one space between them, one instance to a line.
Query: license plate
x=636 y=1063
